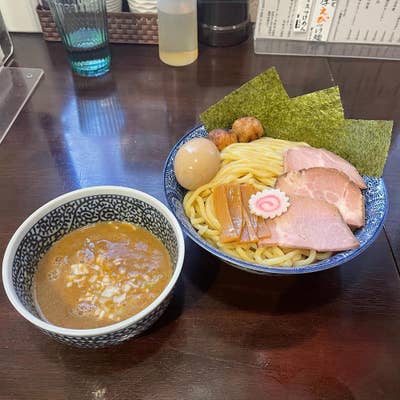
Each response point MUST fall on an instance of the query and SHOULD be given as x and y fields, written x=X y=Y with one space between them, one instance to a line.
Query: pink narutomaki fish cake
x=297 y=158
x=269 y=203
x=310 y=224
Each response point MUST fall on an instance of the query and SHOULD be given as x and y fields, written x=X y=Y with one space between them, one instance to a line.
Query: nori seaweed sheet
x=316 y=118
x=365 y=144
x=263 y=97
x=309 y=118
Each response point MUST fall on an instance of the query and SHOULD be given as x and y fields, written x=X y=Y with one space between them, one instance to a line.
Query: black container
x=44 y=4
x=223 y=22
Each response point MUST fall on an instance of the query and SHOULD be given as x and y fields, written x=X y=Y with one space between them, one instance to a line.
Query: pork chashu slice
x=310 y=224
x=297 y=158
x=330 y=185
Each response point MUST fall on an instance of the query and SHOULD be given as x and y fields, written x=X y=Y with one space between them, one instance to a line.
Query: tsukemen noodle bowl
x=195 y=211
x=96 y=266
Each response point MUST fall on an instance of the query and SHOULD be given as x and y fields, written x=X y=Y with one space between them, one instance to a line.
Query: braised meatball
x=247 y=129
x=222 y=138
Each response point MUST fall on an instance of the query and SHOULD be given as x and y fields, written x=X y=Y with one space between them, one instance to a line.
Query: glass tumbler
x=82 y=25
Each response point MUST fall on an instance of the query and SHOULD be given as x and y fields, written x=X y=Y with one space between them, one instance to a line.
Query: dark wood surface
x=227 y=334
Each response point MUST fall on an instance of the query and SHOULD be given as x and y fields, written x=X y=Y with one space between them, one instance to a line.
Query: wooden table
x=227 y=334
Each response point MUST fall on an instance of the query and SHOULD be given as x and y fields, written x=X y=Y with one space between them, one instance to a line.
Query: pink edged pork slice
x=297 y=158
x=330 y=185
x=310 y=224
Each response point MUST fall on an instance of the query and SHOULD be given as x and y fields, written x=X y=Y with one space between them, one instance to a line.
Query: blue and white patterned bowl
x=376 y=207
x=74 y=210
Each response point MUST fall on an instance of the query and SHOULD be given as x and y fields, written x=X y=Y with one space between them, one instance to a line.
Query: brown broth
x=101 y=274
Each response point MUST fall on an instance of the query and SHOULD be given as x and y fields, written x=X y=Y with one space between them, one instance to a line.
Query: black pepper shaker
x=223 y=22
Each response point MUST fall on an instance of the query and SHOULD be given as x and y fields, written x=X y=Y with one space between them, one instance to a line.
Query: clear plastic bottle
x=177 y=31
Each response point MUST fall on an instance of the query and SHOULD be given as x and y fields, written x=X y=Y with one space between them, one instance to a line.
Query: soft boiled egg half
x=196 y=163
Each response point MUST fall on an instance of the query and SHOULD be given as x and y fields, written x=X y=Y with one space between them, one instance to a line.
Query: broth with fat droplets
x=101 y=274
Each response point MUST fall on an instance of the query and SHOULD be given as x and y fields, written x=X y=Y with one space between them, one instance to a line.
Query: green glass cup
x=82 y=25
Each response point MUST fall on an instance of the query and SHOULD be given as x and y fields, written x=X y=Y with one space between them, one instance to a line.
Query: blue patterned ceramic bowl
x=74 y=210
x=376 y=206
